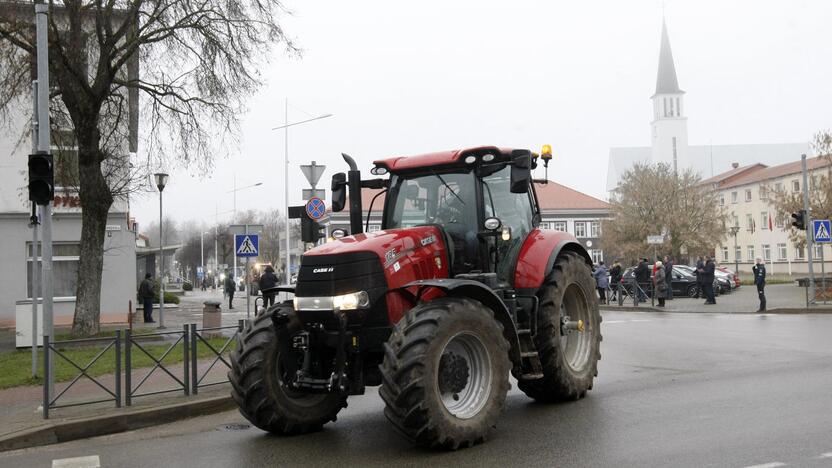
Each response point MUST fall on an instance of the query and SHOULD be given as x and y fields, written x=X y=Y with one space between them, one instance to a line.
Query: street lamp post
x=285 y=127
x=734 y=231
x=161 y=181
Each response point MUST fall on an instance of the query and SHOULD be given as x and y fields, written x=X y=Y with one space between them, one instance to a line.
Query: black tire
x=568 y=369
x=412 y=387
x=693 y=291
x=259 y=393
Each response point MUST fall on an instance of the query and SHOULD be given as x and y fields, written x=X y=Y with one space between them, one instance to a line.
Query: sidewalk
x=779 y=297
x=21 y=407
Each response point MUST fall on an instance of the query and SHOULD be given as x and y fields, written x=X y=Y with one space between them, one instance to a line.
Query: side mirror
x=521 y=173
x=339 y=191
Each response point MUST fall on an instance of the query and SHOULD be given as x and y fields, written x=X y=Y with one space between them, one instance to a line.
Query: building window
x=672 y=113
x=722 y=200
x=748 y=195
x=580 y=228
x=766 y=252
x=779 y=222
x=375 y=227
x=750 y=253
x=559 y=226
x=799 y=253
x=724 y=253
x=781 y=252
x=749 y=221
x=665 y=106
x=795 y=185
x=778 y=187
x=733 y=197
x=736 y=221
x=678 y=108
x=763 y=193
x=593 y=229
x=64 y=269
x=818 y=251
x=597 y=256
x=764 y=220
x=738 y=253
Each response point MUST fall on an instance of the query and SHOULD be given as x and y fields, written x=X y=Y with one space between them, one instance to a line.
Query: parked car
x=735 y=278
x=722 y=281
x=683 y=282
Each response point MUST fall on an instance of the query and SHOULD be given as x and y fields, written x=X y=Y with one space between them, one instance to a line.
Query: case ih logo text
x=323 y=270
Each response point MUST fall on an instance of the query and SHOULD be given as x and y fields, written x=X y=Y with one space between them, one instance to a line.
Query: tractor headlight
x=351 y=301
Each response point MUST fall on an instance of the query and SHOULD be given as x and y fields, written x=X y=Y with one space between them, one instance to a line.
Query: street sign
x=199 y=272
x=655 y=240
x=309 y=193
x=822 y=228
x=247 y=245
x=315 y=208
x=312 y=172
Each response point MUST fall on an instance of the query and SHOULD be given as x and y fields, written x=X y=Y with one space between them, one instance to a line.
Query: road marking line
x=767 y=465
x=826 y=455
x=91 y=461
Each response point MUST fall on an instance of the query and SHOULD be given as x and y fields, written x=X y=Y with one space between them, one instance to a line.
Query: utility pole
x=809 y=233
x=286 y=192
x=41 y=25
x=35 y=247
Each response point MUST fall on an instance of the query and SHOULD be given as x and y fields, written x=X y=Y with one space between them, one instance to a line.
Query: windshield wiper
x=448 y=186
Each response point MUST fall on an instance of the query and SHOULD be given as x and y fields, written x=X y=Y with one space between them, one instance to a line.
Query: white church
x=669 y=136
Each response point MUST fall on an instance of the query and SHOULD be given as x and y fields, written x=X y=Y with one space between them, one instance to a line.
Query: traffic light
x=41 y=178
x=310 y=230
x=799 y=220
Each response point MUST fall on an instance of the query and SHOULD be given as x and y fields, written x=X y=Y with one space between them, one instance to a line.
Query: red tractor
x=458 y=289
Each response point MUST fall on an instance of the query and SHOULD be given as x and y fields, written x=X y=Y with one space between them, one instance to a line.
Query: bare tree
x=198 y=62
x=820 y=190
x=654 y=200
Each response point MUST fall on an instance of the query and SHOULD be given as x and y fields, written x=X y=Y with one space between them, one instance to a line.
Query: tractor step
x=531 y=376
x=529 y=354
x=524 y=331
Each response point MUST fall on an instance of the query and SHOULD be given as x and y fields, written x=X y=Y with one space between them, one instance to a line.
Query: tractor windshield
x=447 y=198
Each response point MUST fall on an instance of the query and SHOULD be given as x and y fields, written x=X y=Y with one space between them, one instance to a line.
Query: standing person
x=267 y=281
x=760 y=281
x=708 y=280
x=642 y=274
x=615 y=279
x=668 y=269
x=146 y=294
x=660 y=283
x=230 y=286
x=700 y=270
x=602 y=281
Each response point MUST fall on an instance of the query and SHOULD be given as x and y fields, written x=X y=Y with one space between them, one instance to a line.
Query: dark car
x=722 y=281
x=683 y=283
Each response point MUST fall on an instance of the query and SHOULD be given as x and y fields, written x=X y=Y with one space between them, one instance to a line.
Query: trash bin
x=211 y=317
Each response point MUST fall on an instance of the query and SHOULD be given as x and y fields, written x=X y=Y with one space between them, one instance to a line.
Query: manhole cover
x=235 y=427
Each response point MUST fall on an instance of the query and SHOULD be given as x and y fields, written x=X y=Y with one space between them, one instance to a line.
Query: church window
x=671 y=107
x=665 y=106
x=678 y=108
x=674 y=152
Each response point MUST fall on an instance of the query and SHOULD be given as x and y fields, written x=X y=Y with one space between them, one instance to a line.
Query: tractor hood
x=406 y=254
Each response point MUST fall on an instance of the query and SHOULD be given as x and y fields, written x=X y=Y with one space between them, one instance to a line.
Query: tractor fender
x=479 y=292
x=538 y=254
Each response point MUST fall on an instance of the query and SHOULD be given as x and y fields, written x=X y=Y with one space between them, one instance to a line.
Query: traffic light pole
x=809 y=234
x=35 y=246
x=41 y=12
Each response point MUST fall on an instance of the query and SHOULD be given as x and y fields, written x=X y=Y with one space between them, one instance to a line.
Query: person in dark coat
x=267 y=281
x=642 y=273
x=615 y=279
x=660 y=283
x=700 y=269
x=602 y=281
x=230 y=286
x=708 y=280
x=146 y=294
x=668 y=269
x=760 y=281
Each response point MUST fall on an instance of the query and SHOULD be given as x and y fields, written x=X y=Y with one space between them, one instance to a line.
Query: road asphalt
x=674 y=389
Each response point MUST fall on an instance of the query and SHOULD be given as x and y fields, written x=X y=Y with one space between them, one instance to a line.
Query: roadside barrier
x=189 y=339
x=51 y=347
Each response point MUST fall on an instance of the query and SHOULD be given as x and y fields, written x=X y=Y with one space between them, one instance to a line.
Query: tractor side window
x=514 y=210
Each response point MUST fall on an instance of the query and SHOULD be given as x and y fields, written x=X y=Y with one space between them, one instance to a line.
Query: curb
x=784 y=311
x=111 y=424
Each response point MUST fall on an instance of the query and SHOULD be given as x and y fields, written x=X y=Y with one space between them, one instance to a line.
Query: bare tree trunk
x=95 y=205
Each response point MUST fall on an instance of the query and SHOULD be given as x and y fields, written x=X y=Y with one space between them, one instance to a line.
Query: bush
x=187 y=287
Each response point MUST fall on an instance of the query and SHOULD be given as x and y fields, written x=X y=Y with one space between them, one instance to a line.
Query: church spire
x=666 y=82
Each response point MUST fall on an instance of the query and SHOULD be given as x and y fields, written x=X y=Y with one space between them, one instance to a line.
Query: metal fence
x=189 y=339
x=52 y=347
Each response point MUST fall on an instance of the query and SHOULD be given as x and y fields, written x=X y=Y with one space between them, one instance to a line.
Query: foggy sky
x=408 y=78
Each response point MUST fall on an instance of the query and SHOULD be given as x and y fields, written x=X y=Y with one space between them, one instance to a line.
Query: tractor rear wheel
x=260 y=389
x=445 y=373
x=569 y=333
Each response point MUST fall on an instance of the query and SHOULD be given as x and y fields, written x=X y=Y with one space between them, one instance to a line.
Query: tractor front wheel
x=260 y=384
x=445 y=373
x=569 y=333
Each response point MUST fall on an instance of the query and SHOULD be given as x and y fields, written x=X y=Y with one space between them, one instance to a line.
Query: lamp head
x=161 y=180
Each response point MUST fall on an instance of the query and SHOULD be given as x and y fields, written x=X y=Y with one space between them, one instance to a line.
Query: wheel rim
x=464 y=375
x=298 y=398
x=575 y=344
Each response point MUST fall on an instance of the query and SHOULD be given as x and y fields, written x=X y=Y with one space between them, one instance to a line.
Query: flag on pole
x=753 y=226
x=770 y=227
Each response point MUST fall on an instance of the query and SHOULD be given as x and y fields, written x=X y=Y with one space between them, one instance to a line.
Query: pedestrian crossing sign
x=246 y=245
x=821 y=228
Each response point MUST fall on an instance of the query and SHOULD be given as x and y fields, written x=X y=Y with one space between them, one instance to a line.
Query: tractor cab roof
x=442 y=158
